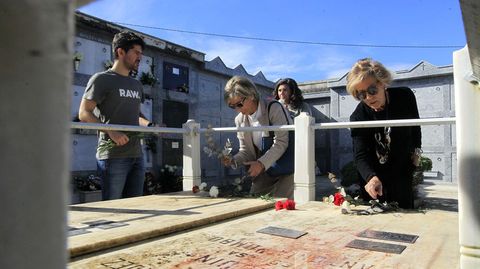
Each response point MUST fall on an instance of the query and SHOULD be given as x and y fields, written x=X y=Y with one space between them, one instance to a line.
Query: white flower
x=226 y=152
x=342 y=192
x=227 y=148
x=214 y=191
x=346 y=207
x=202 y=186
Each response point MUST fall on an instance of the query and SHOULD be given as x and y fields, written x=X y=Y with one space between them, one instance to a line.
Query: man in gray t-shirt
x=113 y=97
x=117 y=101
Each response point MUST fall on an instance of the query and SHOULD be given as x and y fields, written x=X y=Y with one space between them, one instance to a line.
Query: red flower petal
x=289 y=205
x=338 y=199
x=195 y=189
x=279 y=205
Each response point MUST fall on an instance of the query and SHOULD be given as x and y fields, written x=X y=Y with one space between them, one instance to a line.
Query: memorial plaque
x=404 y=238
x=105 y=224
x=76 y=231
x=283 y=232
x=376 y=246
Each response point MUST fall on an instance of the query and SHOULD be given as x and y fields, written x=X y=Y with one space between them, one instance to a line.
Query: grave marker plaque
x=76 y=231
x=376 y=246
x=404 y=238
x=105 y=224
x=283 y=232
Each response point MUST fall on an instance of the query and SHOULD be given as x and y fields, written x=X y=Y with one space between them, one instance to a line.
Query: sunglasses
x=372 y=90
x=237 y=105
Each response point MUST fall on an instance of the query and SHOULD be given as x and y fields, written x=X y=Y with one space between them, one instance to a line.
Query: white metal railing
x=340 y=125
x=127 y=128
x=303 y=126
x=384 y=123
x=327 y=125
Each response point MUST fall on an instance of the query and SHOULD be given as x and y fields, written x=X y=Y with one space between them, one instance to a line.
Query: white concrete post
x=467 y=109
x=191 y=155
x=304 y=159
x=37 y=40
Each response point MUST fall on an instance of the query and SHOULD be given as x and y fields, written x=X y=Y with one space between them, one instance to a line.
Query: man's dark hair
x=126 y=40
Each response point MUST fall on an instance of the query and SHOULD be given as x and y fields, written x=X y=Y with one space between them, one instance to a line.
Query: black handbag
x=285 y=165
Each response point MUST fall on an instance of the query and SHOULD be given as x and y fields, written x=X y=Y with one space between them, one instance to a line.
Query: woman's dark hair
x=296 y=99
x=126 y=40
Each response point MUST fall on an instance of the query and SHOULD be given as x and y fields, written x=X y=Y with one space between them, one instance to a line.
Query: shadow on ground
x=446 y=204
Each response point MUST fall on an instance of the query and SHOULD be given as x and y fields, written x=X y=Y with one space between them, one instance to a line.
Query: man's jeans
x=121 y=177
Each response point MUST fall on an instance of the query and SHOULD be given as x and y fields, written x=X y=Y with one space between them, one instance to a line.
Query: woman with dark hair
x=287 y=92
x=385 y=156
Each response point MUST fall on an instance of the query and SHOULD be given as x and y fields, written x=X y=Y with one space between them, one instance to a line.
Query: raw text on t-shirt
x=129 y=93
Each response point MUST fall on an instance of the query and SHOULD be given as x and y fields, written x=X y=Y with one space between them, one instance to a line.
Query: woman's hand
x=227 y=161
x=255 y=168
x=374 y=187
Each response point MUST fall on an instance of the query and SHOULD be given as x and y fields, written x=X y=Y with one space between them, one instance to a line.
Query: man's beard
x=132 y=67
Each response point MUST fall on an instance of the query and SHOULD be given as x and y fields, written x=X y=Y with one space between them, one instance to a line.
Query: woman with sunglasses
x=287 y=92
x=242 y=95
x=385 y=157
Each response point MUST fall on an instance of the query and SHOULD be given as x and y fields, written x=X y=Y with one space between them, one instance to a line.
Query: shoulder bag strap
x=268 y=115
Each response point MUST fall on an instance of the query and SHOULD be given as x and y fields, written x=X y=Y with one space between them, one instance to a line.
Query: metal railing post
x=304 y=159
x=467 y=106
x=191 y=155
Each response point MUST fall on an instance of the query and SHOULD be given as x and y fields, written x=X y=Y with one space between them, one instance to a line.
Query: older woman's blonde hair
x=363 y=69
x=241 y=87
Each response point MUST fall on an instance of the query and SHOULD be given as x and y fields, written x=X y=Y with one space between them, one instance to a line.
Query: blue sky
x=372 y=22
